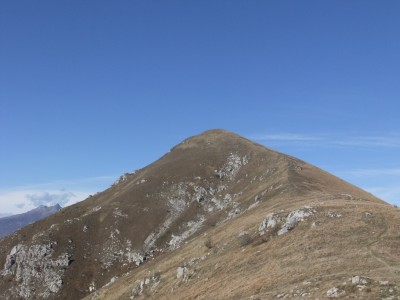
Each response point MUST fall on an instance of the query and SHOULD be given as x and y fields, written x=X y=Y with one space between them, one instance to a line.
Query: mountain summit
x=217 y=217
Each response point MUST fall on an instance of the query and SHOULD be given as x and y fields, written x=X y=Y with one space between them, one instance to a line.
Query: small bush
x=245 y=239
x=212 y=220
x=208 y=243
x=260 y=240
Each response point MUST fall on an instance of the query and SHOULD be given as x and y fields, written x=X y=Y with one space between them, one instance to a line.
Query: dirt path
x=379 y=239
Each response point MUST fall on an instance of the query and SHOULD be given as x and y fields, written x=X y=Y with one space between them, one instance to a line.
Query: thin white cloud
x=50 y=199
x=324 y=140
x=287 y=137
x=391 y=141
x=387 y=193
x=373 y=172
x=20 y=199
x=68 y=183
x=384 y=182
x=16 y=202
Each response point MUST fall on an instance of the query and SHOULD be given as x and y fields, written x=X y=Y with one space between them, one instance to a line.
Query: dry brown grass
x=326 y=256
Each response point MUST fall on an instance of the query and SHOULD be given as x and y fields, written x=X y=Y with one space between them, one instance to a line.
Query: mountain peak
x=217 y=140
x=212 y=197
x=217 y=131
x=12 y=223
x=216 y=134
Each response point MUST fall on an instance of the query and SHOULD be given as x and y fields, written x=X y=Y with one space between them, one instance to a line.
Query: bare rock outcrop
x=33 y=267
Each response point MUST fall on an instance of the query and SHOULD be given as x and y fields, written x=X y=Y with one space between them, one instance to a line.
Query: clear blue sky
x=92 y=89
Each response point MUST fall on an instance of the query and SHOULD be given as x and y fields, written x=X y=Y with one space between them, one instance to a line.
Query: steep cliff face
x=213 y=189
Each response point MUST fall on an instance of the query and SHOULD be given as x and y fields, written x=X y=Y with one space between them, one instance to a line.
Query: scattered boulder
x=334 y=214
x=148 y=284
x=296 y=217
x=359 y=280
x=184 y=273
x=136 y=257
x=335 y=292
x=92 y=287
x=291 y=220
x=122 y=178
x=181 y=272
x=231 y=167
x=269 y=223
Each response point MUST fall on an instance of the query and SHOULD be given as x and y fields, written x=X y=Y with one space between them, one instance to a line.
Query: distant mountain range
x=11 y=224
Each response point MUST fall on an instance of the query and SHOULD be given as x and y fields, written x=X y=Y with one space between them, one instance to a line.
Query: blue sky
x=92 y=89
